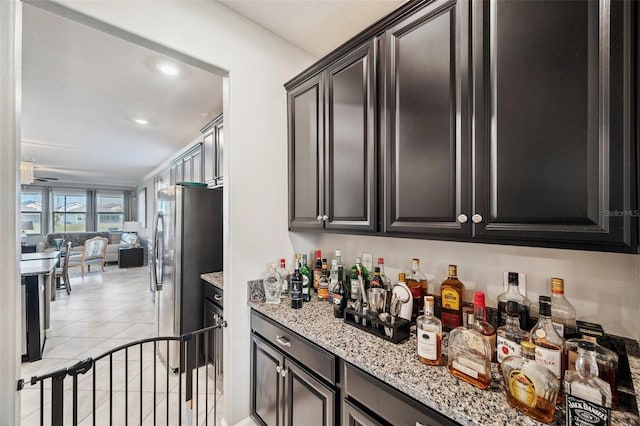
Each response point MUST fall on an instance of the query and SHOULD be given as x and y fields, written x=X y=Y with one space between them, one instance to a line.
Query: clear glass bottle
x=452 y=293
x=480 y=322
x=548 y=342
x=469 y=355
x=359 y=280
x=606 y=359
x=317 y=271
x=513 y=293
x=418 y=285
x=585 y=391
x=296 y=287
x=562 y=311
x=531 y=387
x=339 y=296
x=285 y=275
x=323 y=283
x=429 y=335
x=307 y=279
x=510 y=335
x=333 y=278
x=272 y=285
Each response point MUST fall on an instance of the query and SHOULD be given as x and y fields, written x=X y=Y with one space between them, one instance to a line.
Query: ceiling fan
x=45 y=179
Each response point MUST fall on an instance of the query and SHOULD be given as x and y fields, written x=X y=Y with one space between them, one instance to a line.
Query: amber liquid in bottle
x=452 y=293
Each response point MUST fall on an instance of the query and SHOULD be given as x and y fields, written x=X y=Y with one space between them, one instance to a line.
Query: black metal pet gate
x=129 y=385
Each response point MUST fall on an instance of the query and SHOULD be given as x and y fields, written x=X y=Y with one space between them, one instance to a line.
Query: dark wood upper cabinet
x=350 y=166
x=426 y=121
x=552 y=142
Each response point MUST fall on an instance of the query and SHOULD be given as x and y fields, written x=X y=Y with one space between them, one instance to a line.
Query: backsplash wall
x=603 y=287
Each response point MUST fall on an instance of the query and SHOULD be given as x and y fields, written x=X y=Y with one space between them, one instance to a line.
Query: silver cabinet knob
x=278 y=369
x=283 y=373
x=325 y=217
x=319 y=217
x=463 y=218
x=476 y=218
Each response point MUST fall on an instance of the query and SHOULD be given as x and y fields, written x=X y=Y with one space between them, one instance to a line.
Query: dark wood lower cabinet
x=266 y=383
x=353 y=416
x=307 y=400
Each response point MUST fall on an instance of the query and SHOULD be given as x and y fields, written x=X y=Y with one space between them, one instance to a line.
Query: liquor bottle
x=429 y=335
x=403 y=294
x=333 y=278
x=317 y=271
x=306 y=279
x=606 y=358
x=563 y=313
x=452 y=293
x=339 y=258
x=513 y=293
x=480 y=322
x=339 y=296
x=418 y=285
x=386 y=283
x=323 y=286
x=376 y=281
x=272 y=285
x=531 y=387
x=359 y=280
x=284 y=274
x=585 y=392
x=296 y=287
x=469 y=355
x=510 y=335
x=548 y=342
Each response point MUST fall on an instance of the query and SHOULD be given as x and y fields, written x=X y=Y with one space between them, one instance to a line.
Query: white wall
x=603 y=287
x=255 y=134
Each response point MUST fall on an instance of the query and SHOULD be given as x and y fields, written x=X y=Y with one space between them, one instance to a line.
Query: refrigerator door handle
x=158 y=252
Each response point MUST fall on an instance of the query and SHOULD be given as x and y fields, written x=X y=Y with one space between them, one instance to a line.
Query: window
x=31 y=211
x=69 y=211
x=109 y=211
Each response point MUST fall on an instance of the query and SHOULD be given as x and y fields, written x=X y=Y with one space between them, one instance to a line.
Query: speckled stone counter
x=397 y=365
x=215 y=278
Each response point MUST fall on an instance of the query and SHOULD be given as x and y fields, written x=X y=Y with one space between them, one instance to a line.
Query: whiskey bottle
x=452 y=293
x=531 y=387
x=513 y=293
x=510 y=335
x=285 y=275
x=429 y=335
x=306 y=279
x=563 y=313
x=317 y=271
x=606 y=359
x=585 y=392
x=339 y=296
x=418 y=285
x=480 y=322
x=296 y=287
x=469 y=355
x=323 y=283
x=548 y=342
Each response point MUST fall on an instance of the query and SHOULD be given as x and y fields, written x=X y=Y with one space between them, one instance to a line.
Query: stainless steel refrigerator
x=187 y=242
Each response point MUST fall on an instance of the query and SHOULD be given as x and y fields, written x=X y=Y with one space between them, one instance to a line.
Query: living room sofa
x=116 y=240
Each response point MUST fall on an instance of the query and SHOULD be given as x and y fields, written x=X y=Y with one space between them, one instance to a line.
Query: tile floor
x=106 y=310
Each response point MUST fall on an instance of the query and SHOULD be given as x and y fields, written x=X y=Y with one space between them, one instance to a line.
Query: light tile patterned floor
x=106 y=310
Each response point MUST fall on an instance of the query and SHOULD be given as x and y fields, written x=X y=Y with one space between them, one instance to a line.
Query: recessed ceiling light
x=141 y=121
x=168 y=69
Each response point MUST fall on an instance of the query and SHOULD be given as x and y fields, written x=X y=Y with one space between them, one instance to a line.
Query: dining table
x=37 y=273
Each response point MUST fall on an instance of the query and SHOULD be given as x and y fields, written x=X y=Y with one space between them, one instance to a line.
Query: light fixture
x=168 y=69
x=132 y=227
x=141 y=121
x=26 y=172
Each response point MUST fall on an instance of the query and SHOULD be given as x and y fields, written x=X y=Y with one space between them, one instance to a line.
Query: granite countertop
x=397 y=365
x=215 y=278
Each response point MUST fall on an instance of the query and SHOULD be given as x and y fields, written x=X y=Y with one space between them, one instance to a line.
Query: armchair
x=94 y=252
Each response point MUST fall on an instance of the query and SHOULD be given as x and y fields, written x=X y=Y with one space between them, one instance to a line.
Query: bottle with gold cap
x=563 y=314
x=452 y=293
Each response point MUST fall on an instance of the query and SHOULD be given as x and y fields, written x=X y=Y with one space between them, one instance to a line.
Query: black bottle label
x=581 y=412
x=296 y=293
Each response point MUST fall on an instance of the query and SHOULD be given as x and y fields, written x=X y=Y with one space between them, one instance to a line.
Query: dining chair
x=63 y=271
x=93 y=253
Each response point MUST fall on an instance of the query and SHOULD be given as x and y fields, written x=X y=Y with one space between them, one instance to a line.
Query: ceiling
x=82 y=88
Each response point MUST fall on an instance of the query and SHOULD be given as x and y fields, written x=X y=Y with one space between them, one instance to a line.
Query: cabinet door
x=208 y=157
x=552 y=122
x=350 y=123
x=179 y=172
x=219 y=153
x=307 y=401
x=187 y=168
x=305 y=155
x=353 y=416
x=266 y=383
x=196 y=164
x=426 y=122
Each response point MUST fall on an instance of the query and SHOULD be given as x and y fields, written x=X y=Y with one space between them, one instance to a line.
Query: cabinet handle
x=217 y=297
x=463 y=218
x=278 y=369
x=283 y=373
x=476 y=218
x=283 y=340
x=319 y=217
x=325 y=217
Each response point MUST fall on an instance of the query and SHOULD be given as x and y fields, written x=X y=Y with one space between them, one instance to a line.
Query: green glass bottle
x=307 y=280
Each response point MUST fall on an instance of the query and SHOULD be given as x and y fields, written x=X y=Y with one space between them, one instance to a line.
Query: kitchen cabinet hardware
x=283 y=341
x=476 y=218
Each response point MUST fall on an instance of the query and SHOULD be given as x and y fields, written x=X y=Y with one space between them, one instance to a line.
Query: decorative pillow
x=128 y=238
